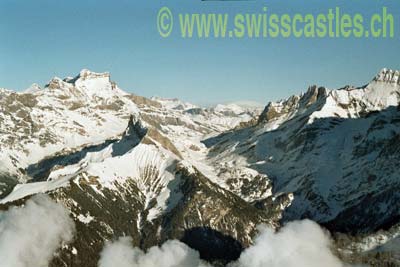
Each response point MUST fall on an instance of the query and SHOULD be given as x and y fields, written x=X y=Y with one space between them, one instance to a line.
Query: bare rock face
x=283 y=109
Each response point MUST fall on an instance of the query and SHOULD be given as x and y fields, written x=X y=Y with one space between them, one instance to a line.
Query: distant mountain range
x=159 y=169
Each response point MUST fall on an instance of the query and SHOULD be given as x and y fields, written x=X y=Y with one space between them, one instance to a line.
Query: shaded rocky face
x=159 y=169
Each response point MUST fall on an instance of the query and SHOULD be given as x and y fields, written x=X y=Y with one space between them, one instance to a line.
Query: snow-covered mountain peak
x=388 y=76
x=248 y=104
x=33 y=88
x=56 y=83
x=174 y=103
x=86 y=74
x=348 y=102
x=230 y=108
x=313 y=99
x=86 y=84
x=314 y=93
x=94 y=83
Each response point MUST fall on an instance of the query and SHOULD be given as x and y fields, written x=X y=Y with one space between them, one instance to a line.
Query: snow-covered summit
x=389 y=76
x=86 y=74
x=348 y=102
x=33 y=88
x=90 y=108
x=86 y=84
x=174 y=103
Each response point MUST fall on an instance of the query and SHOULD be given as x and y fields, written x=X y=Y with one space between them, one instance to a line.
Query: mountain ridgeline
x=159 y=169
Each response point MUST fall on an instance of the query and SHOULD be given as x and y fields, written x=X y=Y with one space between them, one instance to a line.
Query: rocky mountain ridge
x=158 y=169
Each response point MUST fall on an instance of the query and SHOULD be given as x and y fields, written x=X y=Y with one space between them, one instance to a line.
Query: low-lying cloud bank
x=171 y=254
x=29 y=235
x=298 y=244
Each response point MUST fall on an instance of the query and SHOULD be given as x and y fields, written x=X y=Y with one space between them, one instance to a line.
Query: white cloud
x=170 y=254
x=298 y=244
x=29 y=235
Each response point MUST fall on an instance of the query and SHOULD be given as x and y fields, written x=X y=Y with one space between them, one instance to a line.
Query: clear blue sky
x=45 y=38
